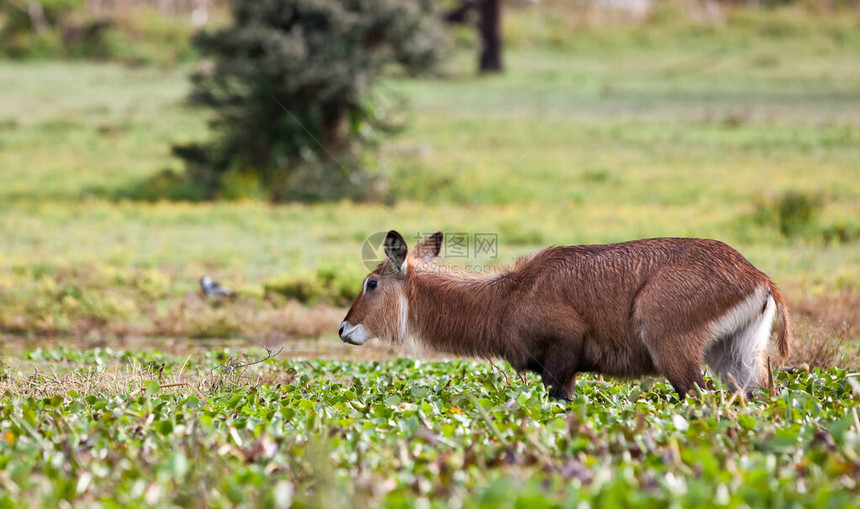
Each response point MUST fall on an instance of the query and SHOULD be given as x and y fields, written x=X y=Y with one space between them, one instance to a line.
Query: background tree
x=291 y=84
x=489 y=24
x=490 y=27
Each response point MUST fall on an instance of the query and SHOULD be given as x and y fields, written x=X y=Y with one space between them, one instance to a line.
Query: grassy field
x=149 y=429
x=565 y=148
x=746 y=131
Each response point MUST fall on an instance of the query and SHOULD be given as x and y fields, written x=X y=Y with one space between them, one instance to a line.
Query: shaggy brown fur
x=631 y=309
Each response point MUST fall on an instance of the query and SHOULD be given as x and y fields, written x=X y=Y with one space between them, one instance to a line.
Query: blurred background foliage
x=291 y=83
x=135 y=33
x=319 y=61
x=736 y=121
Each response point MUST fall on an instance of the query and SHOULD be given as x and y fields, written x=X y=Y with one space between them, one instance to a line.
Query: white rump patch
x=739 y=315
x=739 y=339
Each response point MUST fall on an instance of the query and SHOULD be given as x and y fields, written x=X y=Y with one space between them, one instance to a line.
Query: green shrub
x=291 y=86
x=797 y=211
x=64 y=303
x=328 y=285
x=841 y=232
x=793 y=213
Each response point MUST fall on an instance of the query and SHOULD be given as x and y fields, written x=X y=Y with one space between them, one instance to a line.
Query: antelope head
x=382 y=308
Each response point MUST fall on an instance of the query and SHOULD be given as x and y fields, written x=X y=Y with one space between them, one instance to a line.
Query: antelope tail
x=783 y=341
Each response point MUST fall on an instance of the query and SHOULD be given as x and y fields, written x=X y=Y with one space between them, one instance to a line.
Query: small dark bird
x=214 y=289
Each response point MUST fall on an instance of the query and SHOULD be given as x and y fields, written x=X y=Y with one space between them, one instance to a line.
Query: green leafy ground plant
x=118 y=428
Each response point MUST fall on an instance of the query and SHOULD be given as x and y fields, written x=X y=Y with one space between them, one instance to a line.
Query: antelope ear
x=395 y=249
x=430 y=248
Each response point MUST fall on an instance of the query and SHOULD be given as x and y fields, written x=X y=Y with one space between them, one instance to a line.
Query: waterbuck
x=646 y=307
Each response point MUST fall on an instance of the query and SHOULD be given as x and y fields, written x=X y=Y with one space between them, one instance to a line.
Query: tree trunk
x=334 y=127
x=490 y=27
x=37 y=17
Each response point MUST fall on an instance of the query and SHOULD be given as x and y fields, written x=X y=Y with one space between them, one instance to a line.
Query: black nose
x=340 y=331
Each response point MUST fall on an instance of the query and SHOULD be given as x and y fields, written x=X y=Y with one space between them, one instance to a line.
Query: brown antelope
x=654 y=306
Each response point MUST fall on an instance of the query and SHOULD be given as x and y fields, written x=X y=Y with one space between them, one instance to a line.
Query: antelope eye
x=371 y=284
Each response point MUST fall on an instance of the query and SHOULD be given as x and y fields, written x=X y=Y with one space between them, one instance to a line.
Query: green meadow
x=590 y=145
